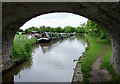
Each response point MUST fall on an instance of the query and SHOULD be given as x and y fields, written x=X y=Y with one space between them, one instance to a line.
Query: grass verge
x=93 y=51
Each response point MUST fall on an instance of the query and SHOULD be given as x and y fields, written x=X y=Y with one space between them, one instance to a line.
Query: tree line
x=90 y=28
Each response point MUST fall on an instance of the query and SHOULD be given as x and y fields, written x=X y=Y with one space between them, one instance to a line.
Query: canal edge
x=78 y=76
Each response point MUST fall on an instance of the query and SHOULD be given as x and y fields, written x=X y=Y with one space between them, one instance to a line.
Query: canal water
x=50 y=62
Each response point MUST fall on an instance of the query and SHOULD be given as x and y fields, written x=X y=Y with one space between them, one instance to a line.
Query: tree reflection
x=81 y=38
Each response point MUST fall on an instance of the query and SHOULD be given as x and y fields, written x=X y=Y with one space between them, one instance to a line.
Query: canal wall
x=15 y=62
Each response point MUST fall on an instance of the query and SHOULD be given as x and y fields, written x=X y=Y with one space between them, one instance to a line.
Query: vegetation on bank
x=22 y=47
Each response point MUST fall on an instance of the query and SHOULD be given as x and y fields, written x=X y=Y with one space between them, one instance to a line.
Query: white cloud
x=55 y=20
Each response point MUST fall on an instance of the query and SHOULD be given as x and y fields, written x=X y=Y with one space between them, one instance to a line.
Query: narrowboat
x=43 y=37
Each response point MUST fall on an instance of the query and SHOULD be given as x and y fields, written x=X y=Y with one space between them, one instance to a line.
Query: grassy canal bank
x=93 y=51
x=22 y=47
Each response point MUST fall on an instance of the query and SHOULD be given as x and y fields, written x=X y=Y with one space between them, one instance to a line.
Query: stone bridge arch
x=14 y=15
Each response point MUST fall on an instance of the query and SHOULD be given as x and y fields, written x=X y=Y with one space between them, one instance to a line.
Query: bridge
x=14 y=15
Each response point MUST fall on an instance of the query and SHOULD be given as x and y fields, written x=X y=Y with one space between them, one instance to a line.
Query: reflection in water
x=46 y=47
x=51 y=62
x=8 y=76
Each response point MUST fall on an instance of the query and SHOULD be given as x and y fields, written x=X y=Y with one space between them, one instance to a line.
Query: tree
x=69 y=29
x=80 y=30
x=94 y=29
x=58 y=29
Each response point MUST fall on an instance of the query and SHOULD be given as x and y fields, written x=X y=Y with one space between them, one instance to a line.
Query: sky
x=55 y=20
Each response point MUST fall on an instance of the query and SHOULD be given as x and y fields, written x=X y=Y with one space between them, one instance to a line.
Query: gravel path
x=98 y=75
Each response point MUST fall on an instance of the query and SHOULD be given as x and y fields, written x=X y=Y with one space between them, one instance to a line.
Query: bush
x=22 y=48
